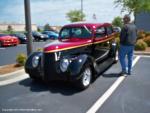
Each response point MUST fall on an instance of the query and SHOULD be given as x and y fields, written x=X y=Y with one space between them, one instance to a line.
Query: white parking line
x=98 y=104
x=2 y=48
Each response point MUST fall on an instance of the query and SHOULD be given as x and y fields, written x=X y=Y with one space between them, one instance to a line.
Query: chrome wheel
x=86 y=77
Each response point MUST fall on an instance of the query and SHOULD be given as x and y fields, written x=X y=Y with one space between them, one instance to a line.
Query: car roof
x=88 y=24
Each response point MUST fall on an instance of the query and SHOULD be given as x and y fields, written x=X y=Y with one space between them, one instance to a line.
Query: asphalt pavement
x=8 y=54
x=131 y=96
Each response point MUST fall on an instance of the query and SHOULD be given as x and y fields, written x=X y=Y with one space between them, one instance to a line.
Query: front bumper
x=49 y=69
x=9 y=43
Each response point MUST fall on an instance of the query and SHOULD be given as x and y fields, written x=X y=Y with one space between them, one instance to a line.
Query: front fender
x=77 y=64
x=28 y=65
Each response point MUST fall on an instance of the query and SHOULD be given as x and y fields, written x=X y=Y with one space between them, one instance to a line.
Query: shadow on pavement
x=61 y=87
x=111 y=75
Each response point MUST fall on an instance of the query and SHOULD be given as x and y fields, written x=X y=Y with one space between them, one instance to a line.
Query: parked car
x=22 y=38
x=39 y=36
x=7 y=40
x=51 y=34
x=81 y=52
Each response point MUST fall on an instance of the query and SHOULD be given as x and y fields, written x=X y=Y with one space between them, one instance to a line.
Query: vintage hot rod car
x=81 y=52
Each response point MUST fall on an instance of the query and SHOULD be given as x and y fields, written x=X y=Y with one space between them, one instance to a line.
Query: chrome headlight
x=35 y=61
x=64 y=63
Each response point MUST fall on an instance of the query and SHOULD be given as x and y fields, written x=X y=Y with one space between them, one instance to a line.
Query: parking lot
x=8 y=54
x=110 y=93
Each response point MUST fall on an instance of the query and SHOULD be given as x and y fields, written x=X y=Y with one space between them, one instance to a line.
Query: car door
x=101 y=44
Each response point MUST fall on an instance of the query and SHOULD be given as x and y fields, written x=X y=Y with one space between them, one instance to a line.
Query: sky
x=54 y=11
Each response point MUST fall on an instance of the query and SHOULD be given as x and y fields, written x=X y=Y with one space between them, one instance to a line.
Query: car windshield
x=75 y=32
x=36 y=33
x=19 y=34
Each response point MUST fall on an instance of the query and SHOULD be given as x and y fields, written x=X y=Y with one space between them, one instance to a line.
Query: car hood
x=66 y=44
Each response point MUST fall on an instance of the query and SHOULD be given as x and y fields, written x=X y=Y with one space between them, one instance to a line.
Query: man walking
x=128 y=38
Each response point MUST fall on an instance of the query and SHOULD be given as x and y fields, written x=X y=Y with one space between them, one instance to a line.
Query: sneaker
x=123 y=73
x=129 y=73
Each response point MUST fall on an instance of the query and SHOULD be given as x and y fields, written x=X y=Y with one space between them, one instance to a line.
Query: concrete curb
x=142 y=53
x=12 y=75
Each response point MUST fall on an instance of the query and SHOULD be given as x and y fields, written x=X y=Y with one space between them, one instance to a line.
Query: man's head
x=126 y=19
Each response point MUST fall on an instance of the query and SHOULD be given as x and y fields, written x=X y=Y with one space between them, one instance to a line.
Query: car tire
x=44 y=40
x=35 y=40
x=85 y=78
x=1 y=45
x=114 y=54
x=116 y=57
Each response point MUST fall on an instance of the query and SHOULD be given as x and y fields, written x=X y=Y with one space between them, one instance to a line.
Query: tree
x=117 y=22
x=39 y=30
x=9 y=29
x=75 y=16
x=47 y=27
x=133 y=6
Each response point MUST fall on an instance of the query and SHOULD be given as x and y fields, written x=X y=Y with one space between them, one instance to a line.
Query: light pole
x=28 y=26
x=81 y=9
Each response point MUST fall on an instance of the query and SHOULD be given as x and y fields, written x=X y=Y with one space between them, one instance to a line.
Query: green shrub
x=140 y=45
x=39 y=49
x=117 y=22
x=21 y=59
x=141 y=34
x=147 y=41
x=118 y=42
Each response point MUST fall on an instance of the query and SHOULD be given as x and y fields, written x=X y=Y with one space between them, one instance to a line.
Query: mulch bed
x=9 y=68
x=147 y=49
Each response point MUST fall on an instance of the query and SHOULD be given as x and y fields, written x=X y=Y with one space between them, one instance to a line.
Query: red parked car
x=7 y=40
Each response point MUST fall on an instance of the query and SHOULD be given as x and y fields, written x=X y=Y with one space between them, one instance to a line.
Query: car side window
x=109 y=30
x=81 y=32
x=65 y=33
x=100 y=32
x=76 y=32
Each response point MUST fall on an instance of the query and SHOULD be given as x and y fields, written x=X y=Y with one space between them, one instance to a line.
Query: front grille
x=49 y=65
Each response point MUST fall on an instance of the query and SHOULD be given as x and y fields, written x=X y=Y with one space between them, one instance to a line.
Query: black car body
x=39 y=36
x=22 y=38
x=81 y=53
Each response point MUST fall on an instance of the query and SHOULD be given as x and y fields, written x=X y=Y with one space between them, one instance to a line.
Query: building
x=16 y=27
x=142 y=21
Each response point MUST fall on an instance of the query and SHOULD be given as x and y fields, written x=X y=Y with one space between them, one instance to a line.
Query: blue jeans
x=123 y=51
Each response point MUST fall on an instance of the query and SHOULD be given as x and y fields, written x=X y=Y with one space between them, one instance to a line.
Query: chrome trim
x=102 y=55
